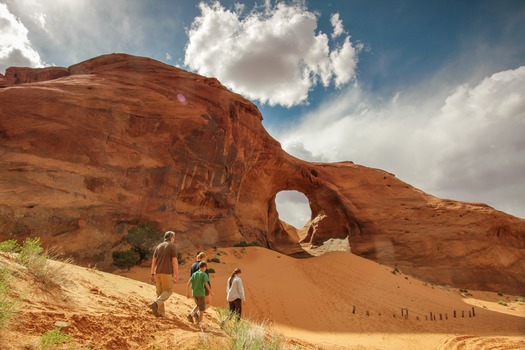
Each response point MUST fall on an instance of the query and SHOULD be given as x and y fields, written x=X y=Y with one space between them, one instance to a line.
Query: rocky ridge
x=90 y=150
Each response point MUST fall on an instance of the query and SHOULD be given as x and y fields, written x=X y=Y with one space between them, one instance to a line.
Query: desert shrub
x=244 y=244
x=501 y=302
x=215 y=260
x=211 y=270
x=32 y=256
x=180 y=259
x=8 y=304
x=395 y=271
x=143 y=239
x=31 y=253
x=10 y=246
x=53 y=339
x=465 y=293
x=125 y=259
x=247 y=334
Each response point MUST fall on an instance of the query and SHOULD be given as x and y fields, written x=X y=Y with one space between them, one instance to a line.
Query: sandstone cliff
x=90 y=150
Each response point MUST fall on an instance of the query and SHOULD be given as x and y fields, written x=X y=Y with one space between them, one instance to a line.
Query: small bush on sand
x=143 y=239
x=10 y=246
x=249 y=335
x=125 y=259
x=32 y=256
x=53 y=339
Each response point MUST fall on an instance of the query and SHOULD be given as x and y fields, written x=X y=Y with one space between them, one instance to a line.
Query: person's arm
x=152 y=272
x=207 y=285
x=175 y=264
x=240 y=289
x=188 y=288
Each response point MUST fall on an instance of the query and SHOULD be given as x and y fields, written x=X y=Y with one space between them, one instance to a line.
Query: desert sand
x=334 y=301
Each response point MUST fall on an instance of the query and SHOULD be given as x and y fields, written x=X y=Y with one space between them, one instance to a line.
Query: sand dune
x=339 y=299
x=335 y=301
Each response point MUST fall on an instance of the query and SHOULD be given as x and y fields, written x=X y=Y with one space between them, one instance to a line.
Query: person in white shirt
x=235 y=293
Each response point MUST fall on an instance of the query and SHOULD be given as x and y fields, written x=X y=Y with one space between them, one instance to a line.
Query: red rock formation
x=90 y=150
x=21 y=75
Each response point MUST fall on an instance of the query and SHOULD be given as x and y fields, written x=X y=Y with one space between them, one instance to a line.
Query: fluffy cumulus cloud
x=65 y=32
x=15 y=47
x=337 y=23
x=273 y=54
x=466 y=145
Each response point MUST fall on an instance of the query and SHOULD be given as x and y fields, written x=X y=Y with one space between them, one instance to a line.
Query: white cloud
x=337 y=23
x=66 y=32
x=15 y=47
x=273 y=55
x=468 y=145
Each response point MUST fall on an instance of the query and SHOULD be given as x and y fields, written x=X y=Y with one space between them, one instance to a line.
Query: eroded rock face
x=88 y=151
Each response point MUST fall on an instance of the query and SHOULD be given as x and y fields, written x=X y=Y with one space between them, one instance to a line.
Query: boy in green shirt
x=199 y=282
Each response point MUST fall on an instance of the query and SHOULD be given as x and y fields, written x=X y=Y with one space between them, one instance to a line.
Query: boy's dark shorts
x=201 y=303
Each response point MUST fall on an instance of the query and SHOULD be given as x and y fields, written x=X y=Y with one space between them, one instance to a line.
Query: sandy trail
x=335 y=301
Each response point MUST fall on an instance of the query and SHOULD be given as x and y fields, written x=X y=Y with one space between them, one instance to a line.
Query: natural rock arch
x=91 y=150
x=333 y=213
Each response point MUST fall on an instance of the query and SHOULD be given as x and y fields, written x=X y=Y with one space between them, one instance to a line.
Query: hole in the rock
x=293 y=208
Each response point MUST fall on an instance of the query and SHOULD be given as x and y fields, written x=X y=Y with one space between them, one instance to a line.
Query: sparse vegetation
x=180 y=259
x=32 y=255
x=53 y=339
x=244 y=244
x=143 y=239
x=10 y=246
x=125 y=259
x=465 y=293
x=211 y=270
x=8 y=304
x=501 y=302
x=215 y=260
x=395 y=271
x=249 y=335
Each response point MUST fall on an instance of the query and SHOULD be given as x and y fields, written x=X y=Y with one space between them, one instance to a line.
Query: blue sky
x=432 y=91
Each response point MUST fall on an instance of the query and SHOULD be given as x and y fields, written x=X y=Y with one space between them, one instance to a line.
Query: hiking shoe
x=155 y=308
x=190 y=318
